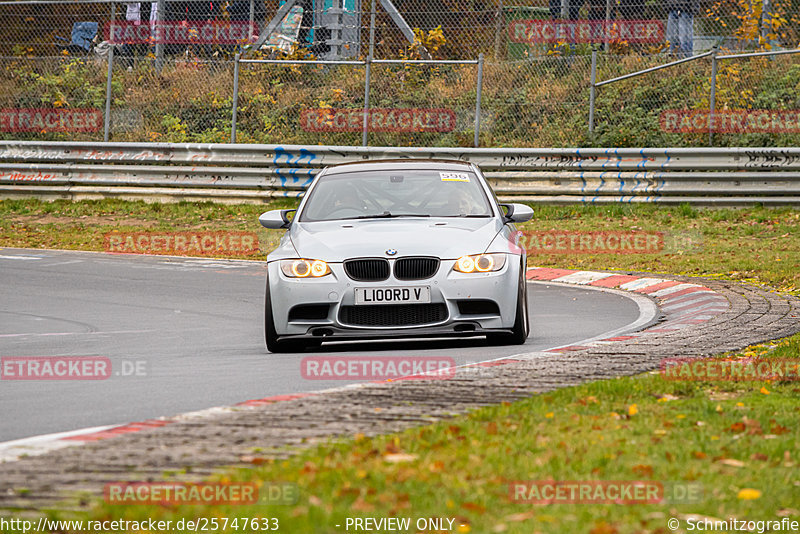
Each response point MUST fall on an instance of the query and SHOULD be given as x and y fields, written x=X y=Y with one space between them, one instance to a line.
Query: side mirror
x=276 y=219
x=518 y=213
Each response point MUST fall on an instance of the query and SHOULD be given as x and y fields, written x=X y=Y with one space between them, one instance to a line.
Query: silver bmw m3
x=400 y=248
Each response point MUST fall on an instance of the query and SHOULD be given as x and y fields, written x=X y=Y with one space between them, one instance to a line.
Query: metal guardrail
x=231 y=172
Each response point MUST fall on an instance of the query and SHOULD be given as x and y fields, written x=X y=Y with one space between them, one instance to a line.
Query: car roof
x=400 y=164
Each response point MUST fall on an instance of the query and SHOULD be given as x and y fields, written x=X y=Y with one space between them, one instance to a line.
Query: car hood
x=446 y=238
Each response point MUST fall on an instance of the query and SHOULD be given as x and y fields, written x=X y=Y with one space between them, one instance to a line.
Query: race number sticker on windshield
x=454 y=176
x=393 y=295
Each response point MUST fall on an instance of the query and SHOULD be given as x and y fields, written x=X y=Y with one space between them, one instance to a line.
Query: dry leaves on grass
x=752 y=426
x=778 y=429
x=643 y=470
x=474 y=507
x=603 y=528
x=731 y=462
x=517 y=518
x=399 y=457
x=748 y=494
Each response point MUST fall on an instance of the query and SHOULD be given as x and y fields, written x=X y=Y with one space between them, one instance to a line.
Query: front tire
x=519 y=333
x=274 y=344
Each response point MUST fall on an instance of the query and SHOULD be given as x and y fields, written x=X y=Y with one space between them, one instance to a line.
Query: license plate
x=393 y=295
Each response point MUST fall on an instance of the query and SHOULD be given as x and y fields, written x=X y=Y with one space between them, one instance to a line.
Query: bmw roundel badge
x=391 y=252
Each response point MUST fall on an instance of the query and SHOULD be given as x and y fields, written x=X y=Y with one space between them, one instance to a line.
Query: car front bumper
x=465 y=304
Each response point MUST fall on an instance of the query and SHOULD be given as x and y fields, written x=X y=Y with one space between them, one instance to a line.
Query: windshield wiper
x=388 y=215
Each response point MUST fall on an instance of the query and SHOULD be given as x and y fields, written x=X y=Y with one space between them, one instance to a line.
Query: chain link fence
x=723 y=100
x=758 y=101
x=171 y=104
x=542 y=101
x=173 y=63
x=423 y=104
x=632 y=108
x=300 y=103
x=59 y=98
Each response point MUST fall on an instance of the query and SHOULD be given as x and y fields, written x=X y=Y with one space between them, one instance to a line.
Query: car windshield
x=395 y=193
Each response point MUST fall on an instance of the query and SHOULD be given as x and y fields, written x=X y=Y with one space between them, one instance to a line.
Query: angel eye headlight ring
x=304 y=268
x=480 y=263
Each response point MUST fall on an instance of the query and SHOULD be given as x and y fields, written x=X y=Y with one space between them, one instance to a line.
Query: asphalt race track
x=193 y=329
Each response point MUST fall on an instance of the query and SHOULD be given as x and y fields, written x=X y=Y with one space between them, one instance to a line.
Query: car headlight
x=303 y=268
x=480 y=263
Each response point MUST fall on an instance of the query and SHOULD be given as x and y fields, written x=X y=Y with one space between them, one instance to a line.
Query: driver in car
x=347 y=197
x=458 y=203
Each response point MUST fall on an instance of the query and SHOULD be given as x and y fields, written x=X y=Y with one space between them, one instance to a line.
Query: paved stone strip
x=720 y=316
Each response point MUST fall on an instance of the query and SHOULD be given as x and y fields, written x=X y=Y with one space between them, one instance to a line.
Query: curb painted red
x=119 y=430
x=274 y=399
x=684 y=304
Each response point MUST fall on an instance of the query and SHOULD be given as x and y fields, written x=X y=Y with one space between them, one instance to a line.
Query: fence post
x=368 y=67
x=500 y=27
x=592 y=90
x=478 y=92
x=712 y=99
x=107 y=114
x=252 y=17
x=235 y=96
x=372 y=30
x=160 y=7
x=365 y=121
